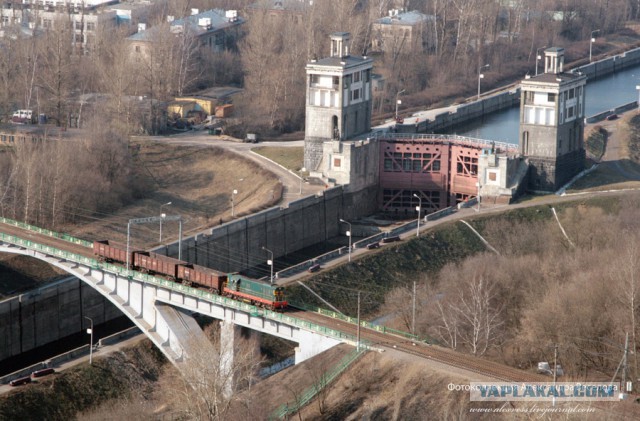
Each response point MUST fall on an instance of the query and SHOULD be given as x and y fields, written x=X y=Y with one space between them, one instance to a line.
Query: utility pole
x=624 y=367
x=413 y=312
x=358 y=331
x=555 y=369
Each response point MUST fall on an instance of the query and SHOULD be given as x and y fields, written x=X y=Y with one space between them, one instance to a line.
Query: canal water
x=602 y=95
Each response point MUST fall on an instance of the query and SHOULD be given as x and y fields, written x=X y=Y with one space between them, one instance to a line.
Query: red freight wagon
x=202 y=276
x=157 y=263
x=111 y=251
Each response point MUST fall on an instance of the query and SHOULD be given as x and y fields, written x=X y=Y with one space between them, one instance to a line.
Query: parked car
x=372 y=246
x=314 y=268
x=391 y=239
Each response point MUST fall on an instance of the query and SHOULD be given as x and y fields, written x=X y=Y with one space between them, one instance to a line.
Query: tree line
x=543 y=290
x=48 y=74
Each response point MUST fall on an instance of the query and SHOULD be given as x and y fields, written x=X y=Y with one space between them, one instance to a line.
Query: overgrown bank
x=129 y=374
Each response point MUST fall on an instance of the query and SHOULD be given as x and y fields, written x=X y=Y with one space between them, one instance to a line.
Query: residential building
x=87 y=18
x=402 y=32
x=216 y=30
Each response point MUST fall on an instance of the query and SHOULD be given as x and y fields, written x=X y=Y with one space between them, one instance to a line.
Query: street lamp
x=591 y=41
x=481 y=76
x=538 y=57
x=90 y=332
x=398 y=102
x=162 y=216
x=269 y=262
x=418 y=209
x=638 y=89
x=233 y=194
x=302 y=171
x=348 y=235
x=478 y=198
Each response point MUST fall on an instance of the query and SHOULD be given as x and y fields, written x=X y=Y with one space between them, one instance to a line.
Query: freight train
x=231 y=285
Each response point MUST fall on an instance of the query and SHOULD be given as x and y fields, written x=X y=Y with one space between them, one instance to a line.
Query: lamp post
x=418 y=209
x=538 y=57
x=162 y=216
x=638 y=89
x=398 y=102
x=348 y=235
x=90 y=332
x=481 y=76
x=269 y=262
x=478 y=198
x=591 y=41
x=233 y=195
x=302 y=171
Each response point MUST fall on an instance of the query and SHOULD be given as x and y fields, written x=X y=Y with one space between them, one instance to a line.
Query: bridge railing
x=285 y=410
x=198 y=293
x=47 y=232
x=363 y=323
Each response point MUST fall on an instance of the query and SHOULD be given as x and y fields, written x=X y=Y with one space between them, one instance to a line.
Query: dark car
x=314 y=268
x=391 y=239
x=372 y=246
x=612 y=117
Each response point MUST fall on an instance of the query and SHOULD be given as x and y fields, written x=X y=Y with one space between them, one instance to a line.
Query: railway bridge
x=162 y=310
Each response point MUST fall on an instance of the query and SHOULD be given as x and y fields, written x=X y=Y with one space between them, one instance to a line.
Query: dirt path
x=616 y=156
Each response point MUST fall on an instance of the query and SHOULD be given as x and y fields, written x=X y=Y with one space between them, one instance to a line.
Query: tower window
x=551 y=97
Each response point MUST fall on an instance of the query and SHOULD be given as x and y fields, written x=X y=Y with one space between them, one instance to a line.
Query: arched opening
x=335 y=131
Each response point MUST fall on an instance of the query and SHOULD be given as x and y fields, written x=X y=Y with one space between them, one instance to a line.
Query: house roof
x=219 y=22
x=347 y=61
x=281 y=5
x=405 y=18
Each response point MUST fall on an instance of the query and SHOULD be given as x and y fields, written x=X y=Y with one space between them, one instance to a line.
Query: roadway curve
x=293 y=188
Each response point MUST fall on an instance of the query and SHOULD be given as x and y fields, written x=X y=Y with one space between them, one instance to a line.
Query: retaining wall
x=237 y=245
x=50 y=313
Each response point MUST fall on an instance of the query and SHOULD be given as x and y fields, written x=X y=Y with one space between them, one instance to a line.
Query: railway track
x=46 y=240
x=482 y=367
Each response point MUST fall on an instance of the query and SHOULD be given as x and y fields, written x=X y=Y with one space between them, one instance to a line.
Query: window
x=356 y=94
x=367 y=75
x=492 y=176
x=336 y=81
x=356 y=77
x=337 y=162
x=551 y=97
x=572 y=93
x=91 y=26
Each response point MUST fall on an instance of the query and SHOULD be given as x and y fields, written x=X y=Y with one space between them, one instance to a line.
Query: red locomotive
x=231 y=285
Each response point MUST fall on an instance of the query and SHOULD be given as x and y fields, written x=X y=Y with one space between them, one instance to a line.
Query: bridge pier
x=311 y=344
x=227 y=342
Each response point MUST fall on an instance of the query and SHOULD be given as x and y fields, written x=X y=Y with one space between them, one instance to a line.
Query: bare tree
x=200 y=391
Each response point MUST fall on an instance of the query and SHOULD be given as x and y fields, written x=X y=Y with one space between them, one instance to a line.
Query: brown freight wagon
x=157 y=263
x=202 y=276
x=112 y=252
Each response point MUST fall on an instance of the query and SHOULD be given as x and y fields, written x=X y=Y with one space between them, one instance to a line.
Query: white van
x=22 y=116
